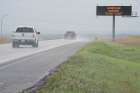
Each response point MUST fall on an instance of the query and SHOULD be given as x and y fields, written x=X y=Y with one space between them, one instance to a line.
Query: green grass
x=98 y=68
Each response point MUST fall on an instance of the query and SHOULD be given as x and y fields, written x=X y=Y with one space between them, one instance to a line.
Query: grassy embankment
x=98 y=68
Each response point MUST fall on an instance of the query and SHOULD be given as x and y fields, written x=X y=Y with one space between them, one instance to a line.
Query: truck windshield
x=28 y=30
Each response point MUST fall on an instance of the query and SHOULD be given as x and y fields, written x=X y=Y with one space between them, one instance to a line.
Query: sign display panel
x=114 y=10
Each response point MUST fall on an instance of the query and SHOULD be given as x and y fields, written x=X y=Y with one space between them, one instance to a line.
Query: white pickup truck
x=25 y=36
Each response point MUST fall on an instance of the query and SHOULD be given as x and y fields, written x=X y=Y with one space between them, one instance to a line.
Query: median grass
x=99 y=67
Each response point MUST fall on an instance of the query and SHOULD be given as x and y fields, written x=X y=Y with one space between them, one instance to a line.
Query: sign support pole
x=113 y=29
x=114 y=11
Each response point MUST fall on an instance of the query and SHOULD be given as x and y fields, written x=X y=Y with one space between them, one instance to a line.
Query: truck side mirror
x=38 y=32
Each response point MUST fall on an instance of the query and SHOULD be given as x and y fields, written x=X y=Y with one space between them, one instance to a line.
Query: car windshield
x=30 y=30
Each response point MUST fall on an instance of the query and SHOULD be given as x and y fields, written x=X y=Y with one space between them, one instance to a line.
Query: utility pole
x=2 y=21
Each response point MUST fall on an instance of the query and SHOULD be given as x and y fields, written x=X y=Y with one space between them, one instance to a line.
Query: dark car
x=70 y=35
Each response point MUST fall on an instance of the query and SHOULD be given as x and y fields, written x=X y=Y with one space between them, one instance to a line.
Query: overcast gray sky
x=57 y=16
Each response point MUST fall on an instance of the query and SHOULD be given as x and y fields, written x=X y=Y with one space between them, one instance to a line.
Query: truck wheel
x=37 y=44
x=34 y=45
x=17 y=45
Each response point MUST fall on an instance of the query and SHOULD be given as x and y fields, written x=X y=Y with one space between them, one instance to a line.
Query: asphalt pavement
x=7 y=53
x=26 y=71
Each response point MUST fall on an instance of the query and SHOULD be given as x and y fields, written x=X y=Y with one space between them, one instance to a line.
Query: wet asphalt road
x=25 y=72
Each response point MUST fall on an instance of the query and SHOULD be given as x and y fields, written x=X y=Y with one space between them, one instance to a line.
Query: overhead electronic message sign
x=114 y=10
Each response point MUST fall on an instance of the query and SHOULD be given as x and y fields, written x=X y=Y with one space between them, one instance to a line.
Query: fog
x=58 y=16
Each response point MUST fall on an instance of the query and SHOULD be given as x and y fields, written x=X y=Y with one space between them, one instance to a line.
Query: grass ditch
x=97 y=68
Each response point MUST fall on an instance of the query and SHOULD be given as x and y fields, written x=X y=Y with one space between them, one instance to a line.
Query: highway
x=24 y=71
x=7 y=53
